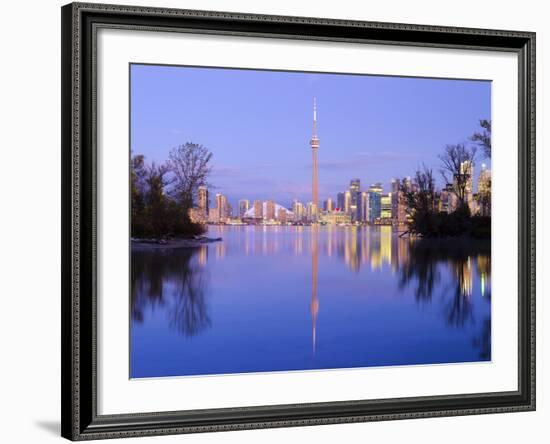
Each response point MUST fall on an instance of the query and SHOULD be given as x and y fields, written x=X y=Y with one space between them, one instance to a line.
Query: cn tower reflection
x=314 y=306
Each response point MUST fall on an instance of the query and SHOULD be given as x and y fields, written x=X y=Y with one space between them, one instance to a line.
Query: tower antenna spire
x=314 y=116
x=314 y=143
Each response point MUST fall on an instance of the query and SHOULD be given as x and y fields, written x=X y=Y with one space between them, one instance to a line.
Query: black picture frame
x=80 y=22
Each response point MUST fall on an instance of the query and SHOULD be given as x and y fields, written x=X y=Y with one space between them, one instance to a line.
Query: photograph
x=306 y=221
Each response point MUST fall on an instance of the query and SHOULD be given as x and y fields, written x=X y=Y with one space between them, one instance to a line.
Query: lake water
x=272 y=298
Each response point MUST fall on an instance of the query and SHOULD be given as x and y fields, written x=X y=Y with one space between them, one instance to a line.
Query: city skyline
x=439 y=117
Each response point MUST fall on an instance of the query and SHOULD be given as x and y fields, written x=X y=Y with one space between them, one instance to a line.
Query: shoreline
x=163 y=244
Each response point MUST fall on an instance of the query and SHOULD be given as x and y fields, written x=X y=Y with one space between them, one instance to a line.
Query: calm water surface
x=294 y=298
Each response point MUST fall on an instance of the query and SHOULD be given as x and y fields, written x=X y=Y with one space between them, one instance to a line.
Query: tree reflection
x=175 y=280
x=483 y=341
x=428 y=259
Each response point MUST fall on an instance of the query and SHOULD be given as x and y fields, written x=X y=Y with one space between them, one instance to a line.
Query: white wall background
x=30 y=220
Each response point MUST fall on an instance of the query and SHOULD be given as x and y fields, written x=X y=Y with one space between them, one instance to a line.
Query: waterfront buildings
x=347 y=203
x=270 y=210
x=340 y=201
x=353 y=205
x=398 y=205
x=336 y=218
x=244 y=206
x=385 y=208
x=298 y=211
x=221 y=210
x=311 y=212
x=484 y=191
x=375 y=202
x=202 y=199
x=258 y=210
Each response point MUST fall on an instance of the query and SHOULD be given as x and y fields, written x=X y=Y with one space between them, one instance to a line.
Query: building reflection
x=451 y=271
x=314 y=306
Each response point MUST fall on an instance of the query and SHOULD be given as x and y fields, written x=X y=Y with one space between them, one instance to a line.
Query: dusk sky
x=258 y=125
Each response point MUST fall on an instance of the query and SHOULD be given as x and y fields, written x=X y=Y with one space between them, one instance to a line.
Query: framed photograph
x=278 y=221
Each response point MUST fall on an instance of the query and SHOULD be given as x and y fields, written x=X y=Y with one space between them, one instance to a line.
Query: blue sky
x=258 y=125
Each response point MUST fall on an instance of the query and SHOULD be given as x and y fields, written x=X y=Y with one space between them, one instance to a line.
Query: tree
x=419 y=196
x=483 y=138
x=138 y=172
x=190 y=164
x=419 y=199
x=156 y=199
x=457 y=162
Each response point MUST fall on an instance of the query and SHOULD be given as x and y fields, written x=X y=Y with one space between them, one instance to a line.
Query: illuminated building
x=298 y=210
x=448 y=200
x=386 y=207
x=202 y=192
x=328 y=205
x=341 y=201
x=311 y=212
x=466 y=175
x=244 y=206
x=363 y=208
x=197 y=216
x=270 y=210
x=375 y=202
x=484 y=191
x=220 y=212
x=347 y=202
x=336 y=218
x=281 y=215
x=258 y=210
x=398 y=205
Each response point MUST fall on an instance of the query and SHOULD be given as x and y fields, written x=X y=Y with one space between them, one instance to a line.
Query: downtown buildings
x=355 y=205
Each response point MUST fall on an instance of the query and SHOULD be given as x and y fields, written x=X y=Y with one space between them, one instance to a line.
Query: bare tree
x=190 y=164
x=483 y=138
x=419 y=196
x=457 y=162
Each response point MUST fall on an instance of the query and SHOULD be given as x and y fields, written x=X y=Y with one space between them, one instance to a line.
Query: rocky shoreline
x=160 y=244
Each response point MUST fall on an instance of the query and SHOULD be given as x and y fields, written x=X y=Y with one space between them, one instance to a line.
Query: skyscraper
x=364 y=206
x=314 y=142
x=484 y=190
x=467 y=173
x=203 y=199
x=386 y=207
x=270 y=210
x=341 y=201
x=398 y=206
x=244 y=205
x=347 y=203
x=221 y=208
x=354 y=185
x=311 y=212
x=258 y=209
x=298 y=210
x=329 y=205
x=281 y=215
x=355 y=196
x=375 y=202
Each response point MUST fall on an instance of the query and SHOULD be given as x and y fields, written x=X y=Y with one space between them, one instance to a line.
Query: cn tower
x=314 y=142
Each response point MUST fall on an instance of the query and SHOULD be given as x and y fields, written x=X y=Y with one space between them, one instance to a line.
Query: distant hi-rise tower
x=314 y=142
x=203 y=199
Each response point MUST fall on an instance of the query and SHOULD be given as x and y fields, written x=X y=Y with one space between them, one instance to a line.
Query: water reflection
x=175 y=281
x=314 y=306
x=252 y=301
